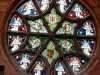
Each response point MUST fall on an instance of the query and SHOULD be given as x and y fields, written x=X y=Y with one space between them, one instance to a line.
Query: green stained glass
x=67 y=46
x=67 y=28
x=35 y=43
x=52 y=19
x=37 y=26
x=50 y=52
x=28 y=47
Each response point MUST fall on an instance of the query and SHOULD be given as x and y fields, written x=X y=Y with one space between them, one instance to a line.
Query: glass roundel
x=51 y=37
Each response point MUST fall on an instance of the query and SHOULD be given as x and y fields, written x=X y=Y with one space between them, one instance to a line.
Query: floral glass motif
x=50 y=52
x=87 y=29
x=51 y=37
x=78 y=12
x=28 y=8
x=59 y=69
x=67 y=46
x=34 y=42
x=67 y=28
x=52 y=19
x=87 y=46
x=24 y=60
x=16 y=25
x=15 y=42
x=39 y=68
x=64 y=5
x=37 y=26
x=43 y=4
x=76 y=63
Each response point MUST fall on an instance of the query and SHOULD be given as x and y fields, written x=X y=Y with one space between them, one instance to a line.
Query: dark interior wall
x=9 y=68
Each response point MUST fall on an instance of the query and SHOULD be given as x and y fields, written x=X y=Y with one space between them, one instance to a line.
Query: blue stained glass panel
x=28 y=8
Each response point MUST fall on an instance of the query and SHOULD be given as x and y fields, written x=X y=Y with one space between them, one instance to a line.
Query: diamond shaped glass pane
x=50 y=52
x=53 y=18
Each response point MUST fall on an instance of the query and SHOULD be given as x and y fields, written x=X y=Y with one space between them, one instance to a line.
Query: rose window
x=51 y=37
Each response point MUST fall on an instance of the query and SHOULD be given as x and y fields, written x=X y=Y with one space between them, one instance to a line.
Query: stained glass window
x=51 y=37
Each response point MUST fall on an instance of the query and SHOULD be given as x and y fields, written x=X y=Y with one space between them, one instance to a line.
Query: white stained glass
x=37 y=26
x=64 y=5
x=43 y=4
